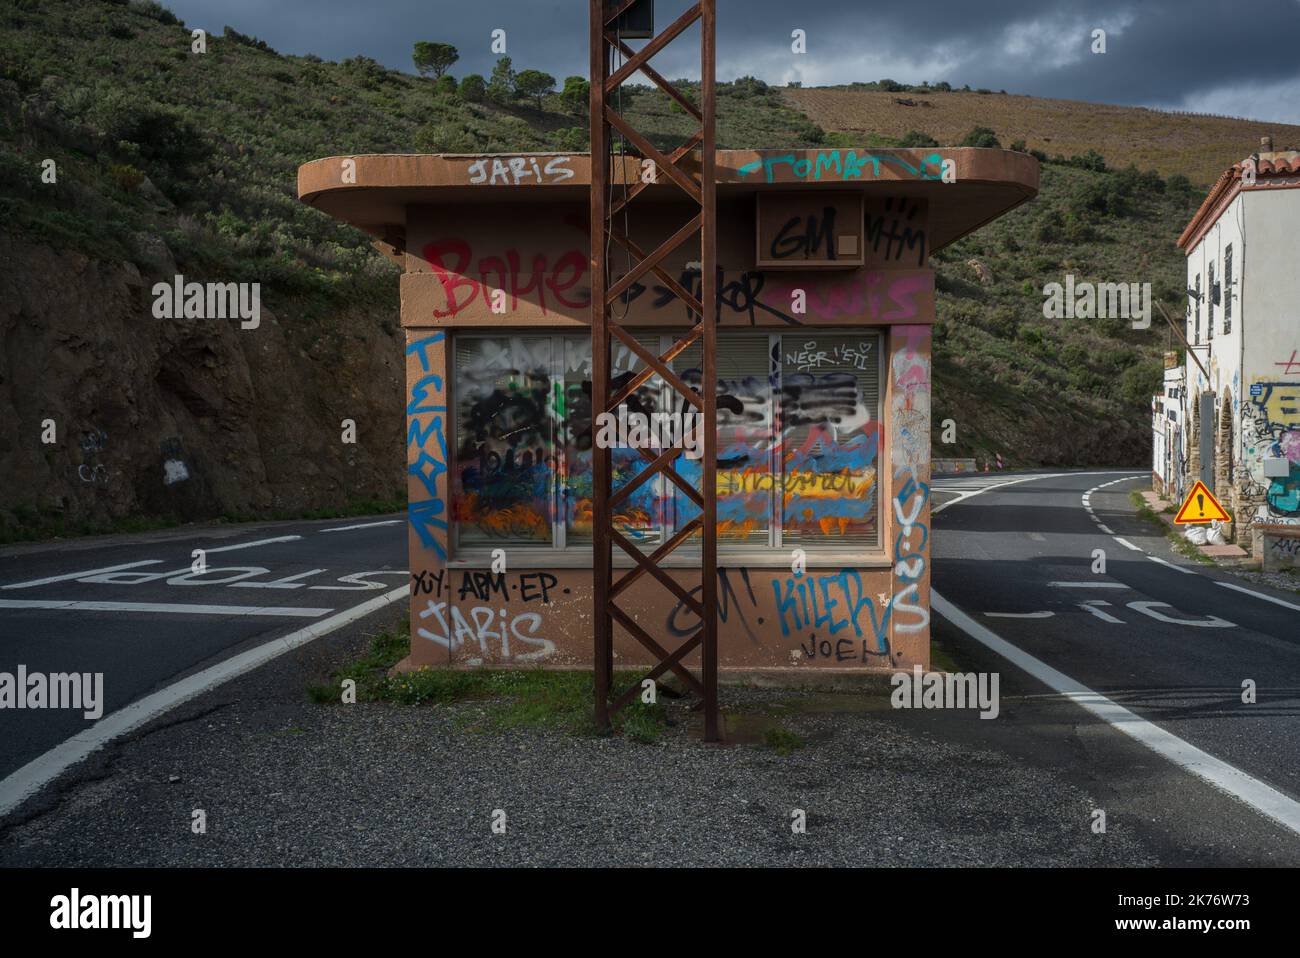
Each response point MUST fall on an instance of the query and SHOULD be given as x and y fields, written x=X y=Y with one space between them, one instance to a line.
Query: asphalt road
x=1169 y=639
x=1154 y=632
x=162 y=620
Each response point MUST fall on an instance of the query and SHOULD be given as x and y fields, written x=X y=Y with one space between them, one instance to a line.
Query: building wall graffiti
x=1271 y=429
x=842 y=165
x=426 y=441
x=823 y=441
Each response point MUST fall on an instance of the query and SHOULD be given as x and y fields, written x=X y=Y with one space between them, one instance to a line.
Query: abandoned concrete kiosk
x=824 y=311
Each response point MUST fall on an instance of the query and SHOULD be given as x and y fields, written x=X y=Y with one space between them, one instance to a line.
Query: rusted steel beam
x=667 y=581
x=655 y=365
x=649 y=150
x=680 y=536
x=657 y=79
x=688 y=229
x=709 y=296
x=683 y=650
x=601 y=558
x=615 y=80
x=682 y=293
x=605 y=295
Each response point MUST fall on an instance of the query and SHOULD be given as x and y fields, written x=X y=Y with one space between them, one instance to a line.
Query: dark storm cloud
x=1240 y=58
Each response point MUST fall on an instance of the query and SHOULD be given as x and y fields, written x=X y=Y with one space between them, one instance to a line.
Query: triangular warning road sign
x=1201 y=506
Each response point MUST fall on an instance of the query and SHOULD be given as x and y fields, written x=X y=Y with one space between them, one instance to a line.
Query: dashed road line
x=364 y=525
x=1090 y=584
x=249 y=545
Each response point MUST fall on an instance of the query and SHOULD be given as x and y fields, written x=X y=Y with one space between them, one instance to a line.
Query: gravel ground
x=285 y=782
x=1286 y=581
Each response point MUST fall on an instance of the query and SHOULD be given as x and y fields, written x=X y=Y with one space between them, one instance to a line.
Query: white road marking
x=1105 y=528
x=1090 y=584
x=38 y=772
x=171 y=608
x=249 y=545
x=1209 y=622
x=1258 y=595
x=365 y=525
x=1176 y=568
x=287 y=582
x=1126 y=543
x=78 y=575
x=1091 y=608
x=1258 y=795
x=966 y=494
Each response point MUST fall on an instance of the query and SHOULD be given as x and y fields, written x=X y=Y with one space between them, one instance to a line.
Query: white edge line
x=26 y=781
x=1258 y=595
x=169 y=608
x=1258 y=795
x=1176 y=568
x=1126 y=544
x=1105 y=528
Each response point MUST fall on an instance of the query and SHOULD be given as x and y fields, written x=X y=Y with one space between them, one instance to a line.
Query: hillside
x=173 y=162
x=1199 y=147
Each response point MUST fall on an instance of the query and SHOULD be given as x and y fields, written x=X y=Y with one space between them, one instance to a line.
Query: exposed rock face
x=184 y=418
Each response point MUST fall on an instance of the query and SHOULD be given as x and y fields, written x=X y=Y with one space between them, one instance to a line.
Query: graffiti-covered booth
x=825 y=308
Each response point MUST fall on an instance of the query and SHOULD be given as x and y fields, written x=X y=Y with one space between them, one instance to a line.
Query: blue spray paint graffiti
x=850 y=166
x=426 y=515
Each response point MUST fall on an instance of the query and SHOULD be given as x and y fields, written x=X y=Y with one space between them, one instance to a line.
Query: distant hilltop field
x=1199 y=146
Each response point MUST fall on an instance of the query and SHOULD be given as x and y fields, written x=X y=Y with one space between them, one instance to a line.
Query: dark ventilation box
x=809 y=228
x=635 y=23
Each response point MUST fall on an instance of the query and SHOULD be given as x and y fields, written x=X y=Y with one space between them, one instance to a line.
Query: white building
x=1243 y=371
x=1169 y=456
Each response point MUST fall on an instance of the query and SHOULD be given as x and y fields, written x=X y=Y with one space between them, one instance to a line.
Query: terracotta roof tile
x=1227 y=186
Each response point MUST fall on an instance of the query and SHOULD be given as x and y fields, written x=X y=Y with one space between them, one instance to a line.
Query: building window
x=1196 y=334
x=1227 y=289
x=1209 y=325
x=798 y=441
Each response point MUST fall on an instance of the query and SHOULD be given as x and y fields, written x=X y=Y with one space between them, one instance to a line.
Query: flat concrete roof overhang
x=988 y=182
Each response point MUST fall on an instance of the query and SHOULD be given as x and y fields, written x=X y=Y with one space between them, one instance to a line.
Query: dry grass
x=1200 y=147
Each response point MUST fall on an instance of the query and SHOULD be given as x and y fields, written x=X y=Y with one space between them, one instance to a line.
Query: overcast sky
x=1214 y=56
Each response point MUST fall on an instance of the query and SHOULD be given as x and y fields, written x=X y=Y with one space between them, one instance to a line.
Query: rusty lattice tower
x=613 y=22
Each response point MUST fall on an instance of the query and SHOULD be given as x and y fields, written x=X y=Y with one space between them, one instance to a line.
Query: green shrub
x=915 y=138
x=125 y=176
x=473 y=88
x=981 y=136
x=571 y=139
x=576 y=94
